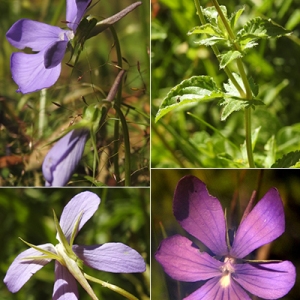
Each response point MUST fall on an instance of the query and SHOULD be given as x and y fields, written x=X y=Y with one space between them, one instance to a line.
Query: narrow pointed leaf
x=193 y=90
x=235 y=16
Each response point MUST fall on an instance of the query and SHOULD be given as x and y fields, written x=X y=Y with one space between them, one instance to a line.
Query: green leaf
x=235 y=16
x=210 y=41
x=206 y=29
x=287 y=161
x=228 y=57
x=192 y=90
x=259 y=28
x=212 y=14
x=232 y=104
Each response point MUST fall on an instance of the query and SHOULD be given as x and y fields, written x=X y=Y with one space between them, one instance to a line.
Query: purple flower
x=228 y=275
x=109 y=257
x=33 y=72
x=62 y=159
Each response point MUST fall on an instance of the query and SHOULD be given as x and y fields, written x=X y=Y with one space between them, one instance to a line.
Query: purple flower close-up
x=109 y=257
x=33 y=72
x=227 y=274
x=62 y=159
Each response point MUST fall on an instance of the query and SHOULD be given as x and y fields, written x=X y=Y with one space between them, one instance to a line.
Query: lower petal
x=182 y=261
x=212 y=289
x=30 y=74
x=111 y=257
x=266 y=280
x=65 y=286
x=21 y=270
x=55 y=54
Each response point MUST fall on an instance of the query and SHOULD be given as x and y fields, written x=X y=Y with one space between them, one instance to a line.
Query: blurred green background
x=23 y=144
x=233 y=188
x=123 y=216
x=178 y=139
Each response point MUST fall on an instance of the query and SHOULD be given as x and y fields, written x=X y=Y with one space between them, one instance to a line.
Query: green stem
x=217 y=52
x=244 y=94
x=118 y=101
x=111 y=287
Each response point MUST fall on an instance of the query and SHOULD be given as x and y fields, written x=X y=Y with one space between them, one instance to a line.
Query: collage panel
x=74 y=100
x=214 y=238
x=225 y=84
x=91 y=243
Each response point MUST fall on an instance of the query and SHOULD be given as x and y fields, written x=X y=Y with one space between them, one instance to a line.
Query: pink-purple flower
x=227 y=274
x=33 y=72
x=62 y=159
x=109 y=257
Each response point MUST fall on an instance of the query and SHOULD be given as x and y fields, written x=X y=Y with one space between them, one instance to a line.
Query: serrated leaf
x=232 y=91
x=232 y=104
x=210 y=41
x=192 y=90
x=235 y=16
x=228 y=57
x=206 y=29
x=287 y=161
x=212 y=14
x=259 y=28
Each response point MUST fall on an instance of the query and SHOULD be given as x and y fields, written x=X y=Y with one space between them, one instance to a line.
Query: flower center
x=226 y=270
x=66 y=35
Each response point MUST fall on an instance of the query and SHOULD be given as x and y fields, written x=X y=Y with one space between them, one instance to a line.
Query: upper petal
x=30 y=74
x=63 y=158
x=32 y=34
x=83 y=204
x=266 y=280
x=263 y=224
x=54 y=54
x=22 y=269
x=75 y=12
x=111 y=257
x=212 y=289
x=65 y=285
x=200 y=214
x=182 y=261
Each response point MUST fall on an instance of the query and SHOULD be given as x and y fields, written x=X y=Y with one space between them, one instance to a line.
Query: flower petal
x=30 y=74
x=32 y=34
x=22 y=269
x=65 y=285
x=200 y=214
x=62 y=159
x=75 y=12
x=111 y=257
x=263 y=224
x=266 y=280
x=212 y=289
x=55 y=54
x=182 y=261
x=83 y=204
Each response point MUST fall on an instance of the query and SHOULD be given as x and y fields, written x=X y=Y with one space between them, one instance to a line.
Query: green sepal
x=48 y=254
x=190 y=91
x=62 y=239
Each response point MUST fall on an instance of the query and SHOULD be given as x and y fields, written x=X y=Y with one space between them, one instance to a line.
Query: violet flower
x=62 y=159
x=33 y=72
x=69 y=258
x=228 y=275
